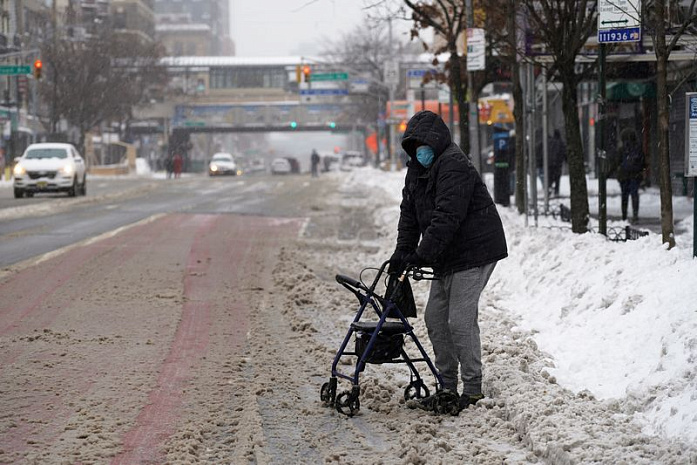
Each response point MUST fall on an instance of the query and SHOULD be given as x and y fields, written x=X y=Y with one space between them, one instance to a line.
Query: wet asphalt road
x=31 y=227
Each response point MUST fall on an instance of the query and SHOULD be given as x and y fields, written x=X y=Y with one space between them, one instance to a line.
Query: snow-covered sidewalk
x=589 y=345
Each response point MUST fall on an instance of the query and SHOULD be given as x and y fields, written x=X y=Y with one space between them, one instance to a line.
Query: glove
x=414 y=260
x=397 y=263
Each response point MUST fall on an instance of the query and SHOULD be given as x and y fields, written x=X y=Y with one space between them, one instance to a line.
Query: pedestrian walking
x=557 y=157
x=2 y=164
x=314 y=162
x=629 y=168
x=169 y=166
x=448 y=221
x=177 y=165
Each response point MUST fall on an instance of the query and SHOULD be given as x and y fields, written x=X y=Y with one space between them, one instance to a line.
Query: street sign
x=691 y=135
x=632 y=34
x=359 y=86
x=476 y=49
x=391 y=73
x=324 y=91
x=619 y=21
x=13 y=70
x=415 y=79
x=329 y=77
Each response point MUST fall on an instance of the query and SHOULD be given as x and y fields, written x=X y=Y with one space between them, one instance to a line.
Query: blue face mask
x=424 y=155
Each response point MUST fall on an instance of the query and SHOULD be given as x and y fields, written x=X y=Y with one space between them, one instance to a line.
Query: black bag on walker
x=400 y=293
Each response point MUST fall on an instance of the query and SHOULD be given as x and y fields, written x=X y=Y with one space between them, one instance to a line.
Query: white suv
x=50 y=167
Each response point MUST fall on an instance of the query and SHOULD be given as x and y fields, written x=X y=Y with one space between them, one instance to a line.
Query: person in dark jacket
x=448 y=221
x=630 y=171
x=557 y=157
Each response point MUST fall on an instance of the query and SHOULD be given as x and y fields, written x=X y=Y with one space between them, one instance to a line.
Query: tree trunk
x=460 y=94
x=663 y=127
x=577 y=170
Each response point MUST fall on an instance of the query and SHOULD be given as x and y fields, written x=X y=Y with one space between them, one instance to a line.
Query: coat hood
x=426 y=127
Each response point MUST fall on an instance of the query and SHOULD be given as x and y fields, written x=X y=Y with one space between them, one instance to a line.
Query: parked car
x=50 y=167
x=223 y=164
x=280 y=166
x=351 y=160
x=256 y=165
x=330 y=162
x=294 y=164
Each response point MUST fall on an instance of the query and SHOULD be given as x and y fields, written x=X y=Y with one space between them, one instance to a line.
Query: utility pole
x=391 y=145
x=473 y=112
x=545 y=139
x=54 y=97
x=602 y=181
x=532 y=142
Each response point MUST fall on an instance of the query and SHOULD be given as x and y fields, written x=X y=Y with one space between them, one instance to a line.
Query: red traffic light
x=38 y=66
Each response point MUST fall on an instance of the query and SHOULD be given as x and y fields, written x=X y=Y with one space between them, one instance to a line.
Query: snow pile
x=143 y=167
x=618 y=319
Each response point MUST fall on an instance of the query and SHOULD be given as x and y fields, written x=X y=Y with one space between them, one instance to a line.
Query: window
x=245 y=78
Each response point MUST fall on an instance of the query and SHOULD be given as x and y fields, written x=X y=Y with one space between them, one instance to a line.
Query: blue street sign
x=419 y=73
x=324 y=92
x=629 y=34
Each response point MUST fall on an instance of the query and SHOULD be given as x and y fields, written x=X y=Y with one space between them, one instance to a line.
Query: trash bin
x=502 y=163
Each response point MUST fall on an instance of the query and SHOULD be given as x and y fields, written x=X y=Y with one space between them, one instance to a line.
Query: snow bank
x=618 y=319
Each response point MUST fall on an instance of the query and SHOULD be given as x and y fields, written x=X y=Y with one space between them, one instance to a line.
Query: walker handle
x=341 y=279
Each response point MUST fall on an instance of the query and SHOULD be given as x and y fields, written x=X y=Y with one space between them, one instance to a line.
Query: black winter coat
x=447 y=206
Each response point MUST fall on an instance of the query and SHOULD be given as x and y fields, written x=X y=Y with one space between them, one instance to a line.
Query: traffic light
x=38 y=66
x=307 y=72
x=332 y=124
x=293 y=124
x=403 y=126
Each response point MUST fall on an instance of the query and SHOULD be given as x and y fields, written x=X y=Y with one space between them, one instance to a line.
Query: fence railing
x=615 y=234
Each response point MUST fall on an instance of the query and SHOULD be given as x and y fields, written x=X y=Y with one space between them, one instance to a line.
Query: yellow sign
x=494 y=111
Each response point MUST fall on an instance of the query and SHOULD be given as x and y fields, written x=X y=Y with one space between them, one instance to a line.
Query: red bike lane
x=101 y=344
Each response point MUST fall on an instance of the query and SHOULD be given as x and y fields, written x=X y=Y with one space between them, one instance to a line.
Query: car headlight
x=67 y=170
x=19 y=170
x=214 y=167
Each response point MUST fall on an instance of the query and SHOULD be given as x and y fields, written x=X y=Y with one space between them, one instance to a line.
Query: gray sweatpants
x=451 y=318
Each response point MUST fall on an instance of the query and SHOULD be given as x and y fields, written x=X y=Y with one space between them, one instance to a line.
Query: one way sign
x=619 y=14
x=619 y=21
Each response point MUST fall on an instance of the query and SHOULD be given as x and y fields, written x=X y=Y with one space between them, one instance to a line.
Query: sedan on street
x=50 y=167
x=223 y=164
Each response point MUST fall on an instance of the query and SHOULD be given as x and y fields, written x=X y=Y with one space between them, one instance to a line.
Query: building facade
x=194 y=27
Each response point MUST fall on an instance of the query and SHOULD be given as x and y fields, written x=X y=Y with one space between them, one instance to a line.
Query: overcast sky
x=290 y=27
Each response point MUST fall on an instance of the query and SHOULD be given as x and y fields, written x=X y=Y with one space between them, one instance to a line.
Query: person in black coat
x=629 y=169
x=448 y=221
x=557 y=157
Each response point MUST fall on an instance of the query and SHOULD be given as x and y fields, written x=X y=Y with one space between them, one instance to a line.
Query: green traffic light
x=332 y=125
x=293 y=124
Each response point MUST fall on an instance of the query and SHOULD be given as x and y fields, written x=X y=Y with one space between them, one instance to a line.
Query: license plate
x=41 y=184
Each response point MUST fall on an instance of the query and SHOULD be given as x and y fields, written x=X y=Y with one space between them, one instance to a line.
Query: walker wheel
x=326 y=394
x=416 y=390
x=347 y=403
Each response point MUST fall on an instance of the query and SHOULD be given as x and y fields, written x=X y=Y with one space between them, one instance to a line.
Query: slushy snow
x=618 y=319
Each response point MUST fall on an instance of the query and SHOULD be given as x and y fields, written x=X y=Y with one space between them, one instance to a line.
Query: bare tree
x=363 y=51
x=683 y=20
x=563 y=27
x=102 y=78
x=447 y=18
